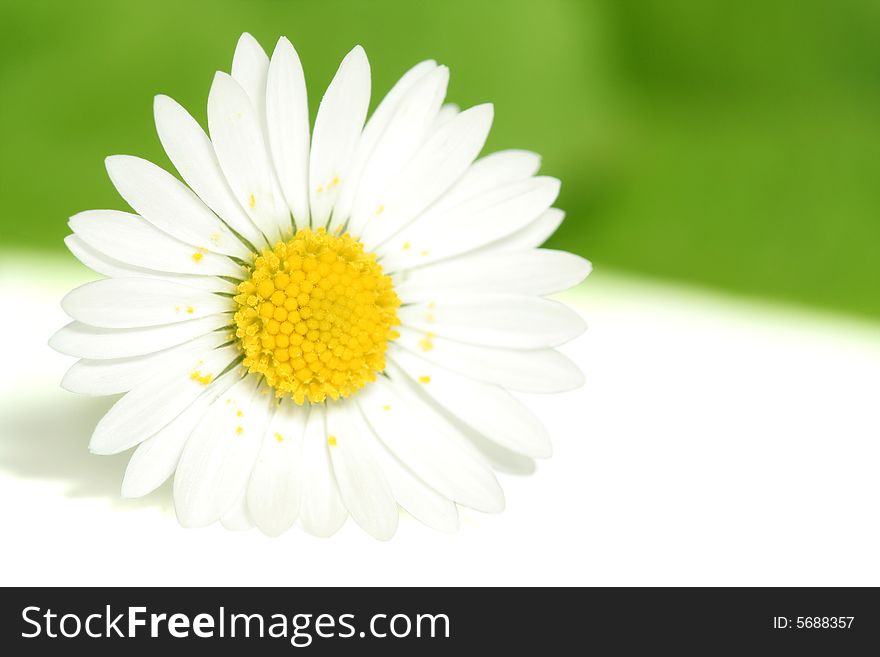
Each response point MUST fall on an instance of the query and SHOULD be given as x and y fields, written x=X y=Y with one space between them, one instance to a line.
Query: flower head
x=322 y=323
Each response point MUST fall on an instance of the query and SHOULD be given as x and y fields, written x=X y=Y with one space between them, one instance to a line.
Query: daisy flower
x=327 y=324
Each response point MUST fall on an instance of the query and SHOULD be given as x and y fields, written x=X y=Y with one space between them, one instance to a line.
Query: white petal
x=420 y=500
x=488 y=409
x=364 y=490
x=238 y=518
x=155 y=402
x=171 y=206
x=337 y=128
x=273 y=494
x=250 y=68
x=371 y=134
x=534 y=234
x=191 y=152
x=448 y=112
x=136 y=302
x=287 y=116
x=401 y=139
x=533 y=370
x=155 y=459
x=219 y=456
x=84 y=341
x=501 y=459
x=429 y=446
x=508 y=321
x=110 y=376
x=533 y=272
x=127 y=237
x=97 y=261
x=438 y=164
x=469 y=225
x=489 y=173
x=322 y=511
x=238 y=140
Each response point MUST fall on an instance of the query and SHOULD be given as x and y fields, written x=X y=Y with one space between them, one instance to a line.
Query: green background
x=735 y=143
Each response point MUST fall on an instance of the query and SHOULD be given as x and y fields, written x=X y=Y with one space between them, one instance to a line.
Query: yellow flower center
x=315 y=316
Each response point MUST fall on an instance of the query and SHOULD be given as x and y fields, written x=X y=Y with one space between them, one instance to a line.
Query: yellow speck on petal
x=380 y=210
x=432 y=305
x=177 y=309
x=215 y=238
x=204 y=379
x=197 y=256
x=190 y=310
x=239 y=413
x=331 y=441
x=386 y=407
x=424 y=379
x=252 y=201
x=334 y=182
x=320 y=188
x=406 y=246
x=239 y=430
x=279 y=437
x=427 y=343
x=430 y=317
x=424 y=253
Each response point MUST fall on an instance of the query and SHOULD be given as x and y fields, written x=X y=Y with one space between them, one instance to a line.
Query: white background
x=717 y=441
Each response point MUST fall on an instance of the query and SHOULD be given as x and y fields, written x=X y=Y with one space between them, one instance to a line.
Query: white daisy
x=316 y=327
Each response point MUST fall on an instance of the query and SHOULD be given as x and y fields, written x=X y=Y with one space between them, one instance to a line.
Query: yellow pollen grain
x=315 y=316
x=334 y=182
x=252 y=201
x=320 y=188
x=279 y=437
x=424 y=253
x=239 y=413
x=197 y=256
x=406 y=246
x=380 y=210
x=215 y=238
x=190 y=310
x=427 y=343
x=386 y=407
x=331 y=441
x=239 y=430
x=198 y=377
x=424 y=379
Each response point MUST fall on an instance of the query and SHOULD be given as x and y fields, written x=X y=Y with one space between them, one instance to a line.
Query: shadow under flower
x=48 y=439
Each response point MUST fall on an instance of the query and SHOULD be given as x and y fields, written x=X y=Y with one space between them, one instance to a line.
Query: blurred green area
x=731 y=143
